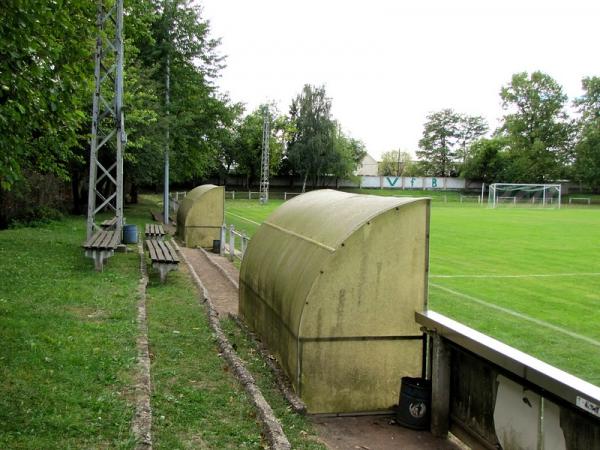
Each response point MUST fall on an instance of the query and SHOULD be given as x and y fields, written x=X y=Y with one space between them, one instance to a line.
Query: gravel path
x=222 y=292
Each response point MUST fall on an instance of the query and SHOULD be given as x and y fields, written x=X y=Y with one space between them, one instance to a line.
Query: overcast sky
x=387 y=63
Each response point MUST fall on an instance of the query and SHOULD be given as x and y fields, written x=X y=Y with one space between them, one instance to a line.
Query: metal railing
x=174 y=200
x=228 y=239
x=256 y=195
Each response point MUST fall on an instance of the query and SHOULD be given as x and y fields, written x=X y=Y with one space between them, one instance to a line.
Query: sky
x=386 y=64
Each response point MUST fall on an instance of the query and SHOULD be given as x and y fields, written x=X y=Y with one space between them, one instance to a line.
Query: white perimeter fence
x=229 y=235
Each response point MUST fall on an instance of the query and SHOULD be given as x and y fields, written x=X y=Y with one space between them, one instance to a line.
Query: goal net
x=542 y=195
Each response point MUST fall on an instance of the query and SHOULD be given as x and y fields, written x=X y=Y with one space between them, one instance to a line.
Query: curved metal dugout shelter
x=331 y=282
x=200 y=215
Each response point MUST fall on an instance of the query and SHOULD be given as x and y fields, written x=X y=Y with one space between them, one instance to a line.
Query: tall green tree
x=470 y=129
x=347 y=155
x=447 y=137
x=536 y=128
x=46 y=69
x=313 y=138
x=198 y=117
x=487 y=161
x=587 y=149
x=437 y=147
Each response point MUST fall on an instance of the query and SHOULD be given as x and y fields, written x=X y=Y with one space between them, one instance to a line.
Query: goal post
x=523 y=193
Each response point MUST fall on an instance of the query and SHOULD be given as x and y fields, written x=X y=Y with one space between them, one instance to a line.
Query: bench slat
x=166 y=256
x=102 y=240
x=152 y=250
x=152 y=230
x=109 y=223
x=172 y=252
x=161 y=251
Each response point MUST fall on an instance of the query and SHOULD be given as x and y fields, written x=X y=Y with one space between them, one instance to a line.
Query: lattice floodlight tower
x=527 y=194
x=264 y=167
x=108 y=127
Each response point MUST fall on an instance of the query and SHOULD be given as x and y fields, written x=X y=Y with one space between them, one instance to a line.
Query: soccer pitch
x=528 y=277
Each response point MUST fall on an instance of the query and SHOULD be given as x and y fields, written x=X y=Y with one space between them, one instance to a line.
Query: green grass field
x=528 y=277
x=68 y=354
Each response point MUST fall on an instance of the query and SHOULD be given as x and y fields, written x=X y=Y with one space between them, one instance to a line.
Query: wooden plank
x=102 y=240
x=94 y=240
x=152 y=230
x=165 y=252
x=152 y=250
x=172 y=252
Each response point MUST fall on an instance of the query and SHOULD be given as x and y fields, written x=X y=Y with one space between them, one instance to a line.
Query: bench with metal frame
x=101 y=246
x=163 y=257
x=154 y=231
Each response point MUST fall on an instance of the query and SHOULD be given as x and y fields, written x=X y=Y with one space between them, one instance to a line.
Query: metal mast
x=264 y=168
x=108 y=126
x=166 y=174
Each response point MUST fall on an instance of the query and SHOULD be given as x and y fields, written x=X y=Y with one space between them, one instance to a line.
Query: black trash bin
x=216 y=246
x=414 y=405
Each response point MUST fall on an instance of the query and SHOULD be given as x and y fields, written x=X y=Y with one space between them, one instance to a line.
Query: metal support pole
x=440 y=387
x=244 y=243
x=166 y=182
x=231 y=243
x=108 y=123
x=223 y=237
x=560 y=195
x=264 y=168
x=482 y=192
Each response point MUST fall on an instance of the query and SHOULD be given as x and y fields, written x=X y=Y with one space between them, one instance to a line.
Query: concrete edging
x=142 y=420
x=280 y=378
x=271 y=426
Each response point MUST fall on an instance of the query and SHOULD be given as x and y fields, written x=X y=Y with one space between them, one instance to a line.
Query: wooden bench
x=159 y=217
x=154 y=231
x=109 y=224
x=163 y=256
x=101 y=246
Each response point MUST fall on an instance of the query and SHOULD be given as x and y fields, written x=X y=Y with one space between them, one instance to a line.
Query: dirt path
x=222 y=292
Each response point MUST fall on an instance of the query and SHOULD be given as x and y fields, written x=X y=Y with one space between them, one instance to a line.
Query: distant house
x=368 y=166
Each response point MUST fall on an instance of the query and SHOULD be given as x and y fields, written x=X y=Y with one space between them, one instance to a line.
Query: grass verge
x=196 y=402
x=68 y=341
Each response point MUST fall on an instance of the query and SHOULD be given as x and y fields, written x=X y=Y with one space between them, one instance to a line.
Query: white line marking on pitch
x=519 y=315
x=531 y=275
x=243 y=218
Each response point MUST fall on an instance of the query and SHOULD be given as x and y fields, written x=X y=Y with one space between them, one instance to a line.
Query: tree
x=437 y=146
x=587 y=149
x=347 y=155
x=45 y=73
x=198 y=118
x=487 y=162
x=469 y=130
x=536 y=128
x=394 y=163
x=312 y=140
